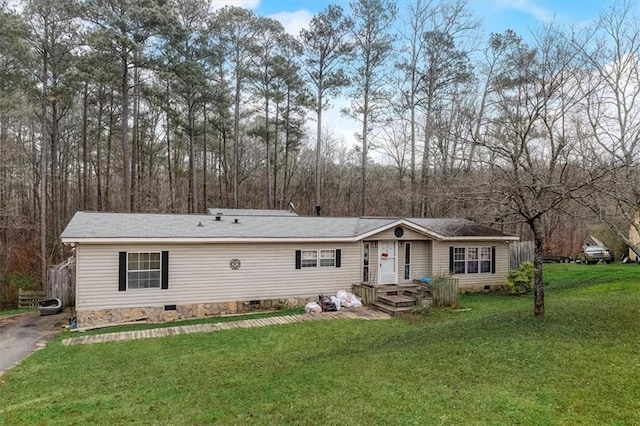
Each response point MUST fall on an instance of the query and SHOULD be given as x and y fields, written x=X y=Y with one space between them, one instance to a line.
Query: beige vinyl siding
x=201 y=274
x=389 y=234
x=477 y=281
x=420 y=261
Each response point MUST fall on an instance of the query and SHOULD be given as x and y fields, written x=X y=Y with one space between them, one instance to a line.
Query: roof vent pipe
x=235 y=220
x=218 y=217
x=318 y=210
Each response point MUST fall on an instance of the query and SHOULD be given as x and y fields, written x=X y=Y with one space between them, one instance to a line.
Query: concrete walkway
x=361 y=313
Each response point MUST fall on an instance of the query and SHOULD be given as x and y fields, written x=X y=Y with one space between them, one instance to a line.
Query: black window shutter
x=493 y=259
x=122 y=272
x=338 y=258
x=298 y=259
x=165 y=270
x=451 y=260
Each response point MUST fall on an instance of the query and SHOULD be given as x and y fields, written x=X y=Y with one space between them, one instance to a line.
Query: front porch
x=396 y=299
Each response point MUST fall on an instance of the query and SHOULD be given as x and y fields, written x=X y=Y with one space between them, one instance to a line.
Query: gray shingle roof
x=457 y=227
x=251 y=212
x=88 y=225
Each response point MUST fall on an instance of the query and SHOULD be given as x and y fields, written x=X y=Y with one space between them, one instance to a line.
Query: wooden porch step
x=396 y=300
x=394 y=289
x=388 y=289
x=391 y=310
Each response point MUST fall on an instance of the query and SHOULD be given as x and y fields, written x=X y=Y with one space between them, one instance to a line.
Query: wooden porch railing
x=367 y=293
x=445 y=291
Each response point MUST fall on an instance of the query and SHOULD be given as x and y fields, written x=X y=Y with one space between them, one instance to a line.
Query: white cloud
x=247 y=4
x=528 y=7
x=344 y=128
x=293 y=22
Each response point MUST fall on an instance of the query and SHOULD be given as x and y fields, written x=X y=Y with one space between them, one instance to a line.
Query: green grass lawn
x=11 y=312
x=492 y=364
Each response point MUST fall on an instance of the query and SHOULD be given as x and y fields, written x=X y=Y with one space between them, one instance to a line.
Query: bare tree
x=610 y=50
x=373 y=47
x=529 y=149
x=325 y=44
x=236 y=33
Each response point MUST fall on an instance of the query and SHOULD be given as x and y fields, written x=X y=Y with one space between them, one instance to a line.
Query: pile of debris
x=343 y=299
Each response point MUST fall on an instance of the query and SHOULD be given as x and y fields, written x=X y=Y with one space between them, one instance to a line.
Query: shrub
x=520 y=281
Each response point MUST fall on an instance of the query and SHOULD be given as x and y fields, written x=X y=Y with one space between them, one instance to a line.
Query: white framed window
x=485 y=260
x=309 y=258
x=143 y=270
x=459 y=260
x=318 y=258
x=472 y=260
x=327 y=258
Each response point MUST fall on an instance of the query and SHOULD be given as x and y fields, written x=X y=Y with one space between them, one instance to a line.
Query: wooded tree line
x=176 y=106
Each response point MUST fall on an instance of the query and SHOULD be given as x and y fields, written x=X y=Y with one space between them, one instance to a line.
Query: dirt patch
x=7 y=321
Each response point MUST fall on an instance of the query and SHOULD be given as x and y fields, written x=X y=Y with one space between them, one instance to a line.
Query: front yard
x=495 y=363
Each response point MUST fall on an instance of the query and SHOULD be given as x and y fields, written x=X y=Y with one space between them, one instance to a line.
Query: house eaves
x=205 y=240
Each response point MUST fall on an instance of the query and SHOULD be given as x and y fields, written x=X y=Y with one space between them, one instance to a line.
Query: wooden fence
x=62 y=282
x=30 y=299
x=445 y=291
x=520 y=252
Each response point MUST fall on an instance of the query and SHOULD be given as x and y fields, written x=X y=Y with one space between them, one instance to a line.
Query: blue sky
x=496 y=16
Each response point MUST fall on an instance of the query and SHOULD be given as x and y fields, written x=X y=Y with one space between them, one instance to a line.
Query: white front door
x=387 y=273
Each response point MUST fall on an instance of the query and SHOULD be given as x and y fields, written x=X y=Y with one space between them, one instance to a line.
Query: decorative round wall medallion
x=235 y=264
x=399 y=231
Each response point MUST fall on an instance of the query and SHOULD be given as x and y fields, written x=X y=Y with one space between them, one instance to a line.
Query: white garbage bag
x=312 y=308
x=349 y=300
x=356 y=302
x=336 y=301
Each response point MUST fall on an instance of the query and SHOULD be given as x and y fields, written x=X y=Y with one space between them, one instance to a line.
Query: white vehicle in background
x=595 y=254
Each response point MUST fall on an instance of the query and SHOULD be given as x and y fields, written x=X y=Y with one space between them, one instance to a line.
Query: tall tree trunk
x=98 y=141
x=192 y=175
x=538 y=284
x=124 y=133
x=107 y=190
x=425 y=161
x=168 y=135
x=204 y=157
x=412 y=105
x=365 y=132
x=318 y=153
x=43 y=157
x=85 y=163
x=135 y=137
x=55 y=167
x=287 y=142
x=236 y=141
x=276 y=203
x=268 y=142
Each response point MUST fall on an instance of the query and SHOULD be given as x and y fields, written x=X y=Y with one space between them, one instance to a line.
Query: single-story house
x=159 y=267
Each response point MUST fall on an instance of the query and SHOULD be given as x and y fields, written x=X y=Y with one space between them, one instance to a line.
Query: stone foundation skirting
x=481 y=288
x=155 y=314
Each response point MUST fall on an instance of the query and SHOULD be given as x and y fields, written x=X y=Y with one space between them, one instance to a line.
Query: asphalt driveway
x=20 y=335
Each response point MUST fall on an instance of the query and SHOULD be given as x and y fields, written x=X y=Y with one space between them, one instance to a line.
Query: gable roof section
x=452 y=229
x=143 y=227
